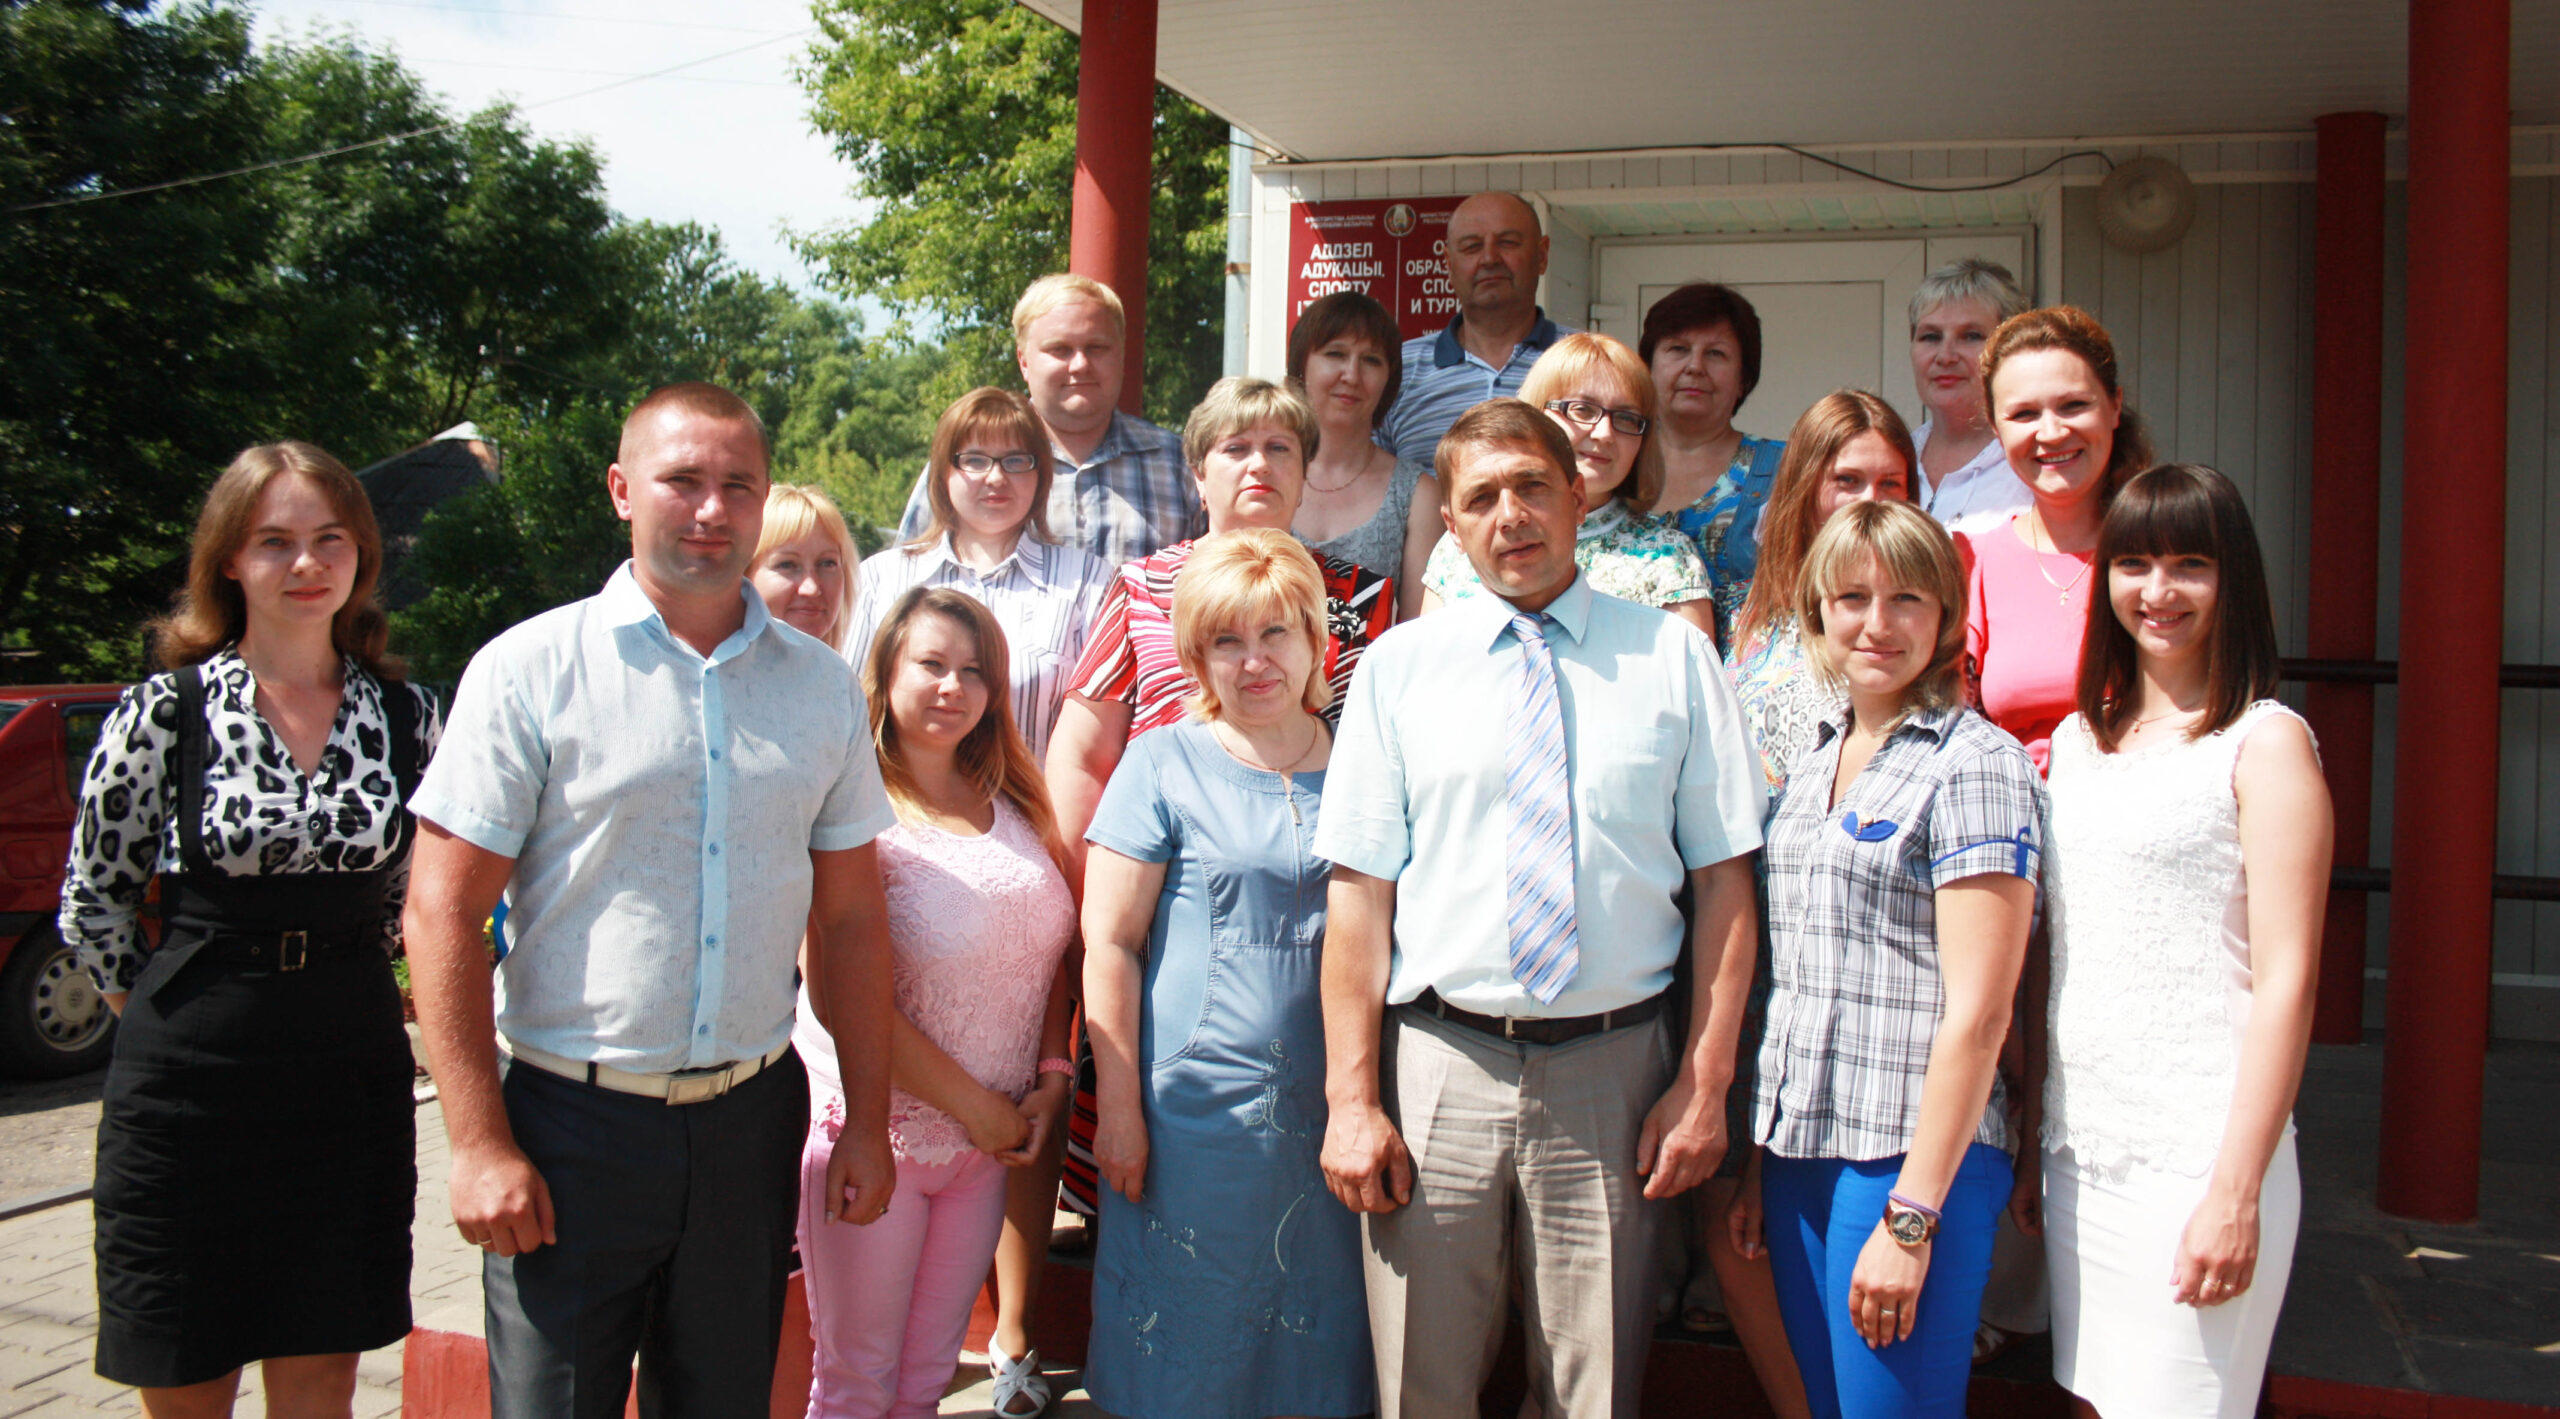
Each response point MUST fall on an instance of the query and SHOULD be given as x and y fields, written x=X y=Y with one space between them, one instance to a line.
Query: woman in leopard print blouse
x=256 y=1154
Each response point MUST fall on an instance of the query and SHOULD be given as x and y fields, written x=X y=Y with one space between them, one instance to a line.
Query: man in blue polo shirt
x=1495 y=253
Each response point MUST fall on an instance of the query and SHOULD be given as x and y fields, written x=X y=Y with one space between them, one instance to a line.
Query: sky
x=725 y=143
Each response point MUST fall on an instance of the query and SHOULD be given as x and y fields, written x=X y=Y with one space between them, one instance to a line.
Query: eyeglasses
x=1588 y=414
x=1013 y=463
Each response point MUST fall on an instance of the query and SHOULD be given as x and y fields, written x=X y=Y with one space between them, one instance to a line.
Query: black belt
x=279 y=950
x=1538 y=1030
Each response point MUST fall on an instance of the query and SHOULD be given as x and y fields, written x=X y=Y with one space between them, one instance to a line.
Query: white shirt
x=1044 y=595
x=1981 y=494
x=661 y=807
x=1663 y=781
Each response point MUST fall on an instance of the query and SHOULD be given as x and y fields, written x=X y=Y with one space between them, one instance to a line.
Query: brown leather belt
x=1537 y=1030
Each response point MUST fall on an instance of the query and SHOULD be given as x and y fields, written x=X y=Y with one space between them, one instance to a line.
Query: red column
x=1115 y=149
x=2452 y=594
x=2346 y=523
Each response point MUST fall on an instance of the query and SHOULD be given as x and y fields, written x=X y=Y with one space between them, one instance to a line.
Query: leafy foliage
x=852 y=419
x=958 y=118
x=122 y=323
x=363 y=302
x=474 y=270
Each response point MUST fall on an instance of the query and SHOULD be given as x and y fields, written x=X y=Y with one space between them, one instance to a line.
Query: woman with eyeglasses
x=988 y=536
x=1597 y=391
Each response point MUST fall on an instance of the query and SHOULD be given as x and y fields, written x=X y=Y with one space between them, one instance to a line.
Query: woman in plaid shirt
x=1902 y=868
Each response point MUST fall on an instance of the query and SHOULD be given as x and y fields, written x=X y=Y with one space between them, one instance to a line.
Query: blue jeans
x=1819 y=1213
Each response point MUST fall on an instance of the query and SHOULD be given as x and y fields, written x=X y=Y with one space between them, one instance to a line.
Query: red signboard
x=1389 y=249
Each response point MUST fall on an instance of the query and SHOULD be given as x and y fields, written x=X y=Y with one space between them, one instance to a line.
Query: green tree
x=363 y=301
x=544 y=535
x=122 y=322
x=411 y=280
x=843 y=413
x=958 y=118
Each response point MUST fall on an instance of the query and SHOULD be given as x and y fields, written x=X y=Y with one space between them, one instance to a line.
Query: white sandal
x=1017 y=1379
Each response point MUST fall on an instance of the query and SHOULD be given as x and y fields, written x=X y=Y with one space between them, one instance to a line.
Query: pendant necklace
x=2062 y=589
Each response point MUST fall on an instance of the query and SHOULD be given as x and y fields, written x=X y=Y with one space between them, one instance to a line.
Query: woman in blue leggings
x=1902 y=868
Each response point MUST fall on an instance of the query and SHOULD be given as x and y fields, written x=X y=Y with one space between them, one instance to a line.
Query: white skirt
x=2119 y=1340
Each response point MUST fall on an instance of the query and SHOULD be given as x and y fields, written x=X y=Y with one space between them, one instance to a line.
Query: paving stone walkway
x=49 y=1312
x=49 y=1327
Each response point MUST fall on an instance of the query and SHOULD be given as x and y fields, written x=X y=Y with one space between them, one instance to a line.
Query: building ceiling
x=1327 y=80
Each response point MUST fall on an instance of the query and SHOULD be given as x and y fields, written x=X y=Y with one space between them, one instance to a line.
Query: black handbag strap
x=191 y=750
x=400 y=707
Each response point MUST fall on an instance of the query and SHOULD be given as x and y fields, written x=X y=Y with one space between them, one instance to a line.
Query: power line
x=176 y=182
x=514 y=14
x=593 y=73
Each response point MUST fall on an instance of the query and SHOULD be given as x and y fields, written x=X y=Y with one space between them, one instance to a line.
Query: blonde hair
x=211 y=613
x=793 y=511
x=1241 y=402
x=1909 y=549
x=1244 y=577
x=1050 y=292
x=992 y=757
x=985 y=412
x=1787 y=528
x=1969 y=278
x=1564 y=368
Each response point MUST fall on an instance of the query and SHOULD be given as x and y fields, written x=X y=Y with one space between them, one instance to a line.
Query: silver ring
x=1888 y=1310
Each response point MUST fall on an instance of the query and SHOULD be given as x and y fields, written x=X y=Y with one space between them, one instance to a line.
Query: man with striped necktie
x=1522 y=785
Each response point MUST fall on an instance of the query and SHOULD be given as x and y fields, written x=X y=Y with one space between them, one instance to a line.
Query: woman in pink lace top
x=979 y=917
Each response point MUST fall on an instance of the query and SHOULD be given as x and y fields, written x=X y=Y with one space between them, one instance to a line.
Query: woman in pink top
x=2062 y=420
x=979 y=918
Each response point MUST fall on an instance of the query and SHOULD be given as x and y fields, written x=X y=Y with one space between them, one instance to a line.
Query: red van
x=52 y=1020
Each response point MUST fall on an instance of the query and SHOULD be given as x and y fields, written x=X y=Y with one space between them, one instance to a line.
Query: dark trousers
x=675 y=1228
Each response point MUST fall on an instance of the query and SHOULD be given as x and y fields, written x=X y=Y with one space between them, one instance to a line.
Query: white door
x=1833 y=314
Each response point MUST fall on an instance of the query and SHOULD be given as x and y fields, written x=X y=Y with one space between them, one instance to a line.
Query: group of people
x=1479 y=810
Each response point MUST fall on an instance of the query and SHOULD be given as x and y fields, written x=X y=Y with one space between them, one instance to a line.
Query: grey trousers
x=675 y=1228
x=1524 y=1161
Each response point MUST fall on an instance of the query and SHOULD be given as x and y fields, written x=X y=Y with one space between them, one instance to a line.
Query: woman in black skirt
x=257 y=1161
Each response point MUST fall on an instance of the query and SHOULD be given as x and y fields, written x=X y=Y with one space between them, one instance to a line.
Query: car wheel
x=53 y=1021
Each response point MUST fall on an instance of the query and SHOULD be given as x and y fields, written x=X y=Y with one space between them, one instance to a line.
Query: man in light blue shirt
x=1499 y=1060
x=1495 y=252
x=669 y=787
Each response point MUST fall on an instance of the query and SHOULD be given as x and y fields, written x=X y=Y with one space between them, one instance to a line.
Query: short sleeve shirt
x=1661 y=776
x=1855 y=994
x=661 y=806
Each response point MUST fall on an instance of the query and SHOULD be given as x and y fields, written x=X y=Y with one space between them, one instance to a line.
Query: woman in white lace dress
x=2191 y=836
x=979 y=920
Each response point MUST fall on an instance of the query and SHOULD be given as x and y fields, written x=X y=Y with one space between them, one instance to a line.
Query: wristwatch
x=1911 y=1226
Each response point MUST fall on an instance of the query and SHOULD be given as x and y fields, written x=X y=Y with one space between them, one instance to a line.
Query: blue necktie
x=1538 y=824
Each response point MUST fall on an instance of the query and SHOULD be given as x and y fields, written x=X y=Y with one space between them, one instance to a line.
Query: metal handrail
x=2387 y=672
x=2502 y=887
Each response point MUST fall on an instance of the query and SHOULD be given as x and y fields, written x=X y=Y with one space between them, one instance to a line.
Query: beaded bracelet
x=1055 y=1065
